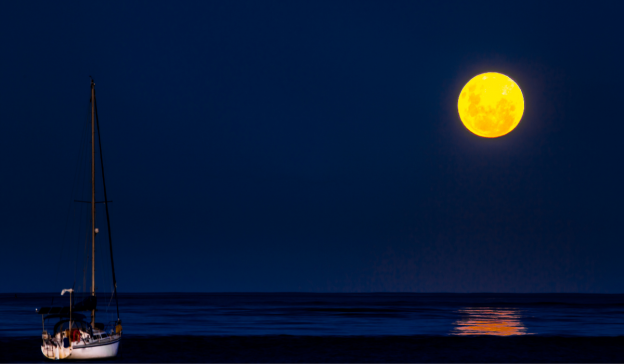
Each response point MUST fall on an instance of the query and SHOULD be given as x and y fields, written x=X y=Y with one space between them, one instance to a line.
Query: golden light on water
x=491 y=105
x=489 y=321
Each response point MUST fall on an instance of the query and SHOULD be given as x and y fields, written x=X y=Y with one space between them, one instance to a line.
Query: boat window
x=79 y=325
x=61 y=326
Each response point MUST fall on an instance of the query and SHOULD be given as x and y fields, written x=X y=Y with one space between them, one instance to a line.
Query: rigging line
x=110 y=239
x=86 y=175
x=109 y=302
x=86 y=257
x=105 y=276
x=77 y=182
x=86 y=238
x=69 y=209
x=81 y=215
x=84 y=219
x=77 y=212
x=106 y=282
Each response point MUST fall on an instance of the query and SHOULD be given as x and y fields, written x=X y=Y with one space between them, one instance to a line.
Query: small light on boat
x=97 y=230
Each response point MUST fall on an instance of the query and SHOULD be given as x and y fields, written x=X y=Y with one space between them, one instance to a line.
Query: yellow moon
x=491 y=105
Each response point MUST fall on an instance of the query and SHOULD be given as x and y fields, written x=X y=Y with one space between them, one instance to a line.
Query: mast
x=92 y=198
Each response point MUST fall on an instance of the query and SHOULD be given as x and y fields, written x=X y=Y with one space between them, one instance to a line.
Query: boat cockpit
x=80 y=331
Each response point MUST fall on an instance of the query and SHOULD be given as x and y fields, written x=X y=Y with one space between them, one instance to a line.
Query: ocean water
x=207 y=318
x=322 y=314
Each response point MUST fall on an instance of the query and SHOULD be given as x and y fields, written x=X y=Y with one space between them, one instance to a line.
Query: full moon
x=491 y=105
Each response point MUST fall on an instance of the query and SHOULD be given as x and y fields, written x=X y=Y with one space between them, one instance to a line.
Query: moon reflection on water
x=489 y=321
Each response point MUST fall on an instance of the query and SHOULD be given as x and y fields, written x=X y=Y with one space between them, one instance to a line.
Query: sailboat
x=72 y=336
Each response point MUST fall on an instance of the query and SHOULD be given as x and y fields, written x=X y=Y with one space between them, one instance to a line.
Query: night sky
x=316 y=146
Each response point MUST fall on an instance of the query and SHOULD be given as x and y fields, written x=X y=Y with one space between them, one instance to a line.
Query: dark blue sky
x=316 y=146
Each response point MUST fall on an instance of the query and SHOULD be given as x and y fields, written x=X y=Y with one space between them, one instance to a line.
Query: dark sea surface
x=335 y=327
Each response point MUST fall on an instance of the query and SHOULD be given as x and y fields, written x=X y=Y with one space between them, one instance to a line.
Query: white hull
x=96 y=350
